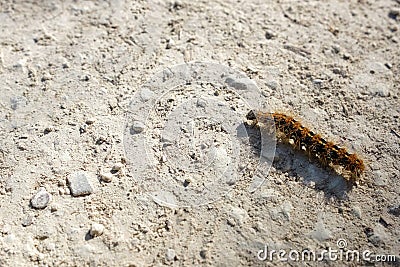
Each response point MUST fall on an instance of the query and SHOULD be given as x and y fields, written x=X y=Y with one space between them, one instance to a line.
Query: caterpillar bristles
x=302 y=138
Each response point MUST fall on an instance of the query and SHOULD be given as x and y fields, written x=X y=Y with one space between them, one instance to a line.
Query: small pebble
x=380 y=178
x=20 y=64
x=272 y=85
x=269 y=194
x=252 y=69
x=170 y=254
x=48 y=130
x=204 y=253
x=356 y=211
x=67 y=191
x=54 y=207
x=40 y=256
x=18 y=102
x=113 y=102
x=50 y=246
x=347 y=56
x=167 y=138
x=240 y=84
x=90 y=121
x=286 y=207
x=336 y=70
x=117 y=166
x=240 y=215
x=394 y=14
x=201 y=103
x=221 y=158
x=28 y=220
x=317 y=81
x=6 y=229
x=336 y=48
x=386 y=221
x=321 y=233
x=231 y=222
x=379 y=89
x=167 y=74
x=242 y=166
x=269 y=35
x=378 y=235
x=46 y=76
x=106 y=177
x=79 y=184
x=395 y=210
x=44 y=231
x=82 y=129
x=137 y=127
x=170 y=44
x=388 y=65
x=61 y=183
x=41 y=199
x=146 y=94
x=96 y=229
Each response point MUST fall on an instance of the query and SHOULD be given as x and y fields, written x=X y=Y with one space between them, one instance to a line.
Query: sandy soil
x=69 y=71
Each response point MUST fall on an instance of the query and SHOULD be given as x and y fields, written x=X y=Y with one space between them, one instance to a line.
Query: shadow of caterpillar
x=302 y=138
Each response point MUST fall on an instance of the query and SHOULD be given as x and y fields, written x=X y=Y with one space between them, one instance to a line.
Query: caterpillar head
x=355 y=165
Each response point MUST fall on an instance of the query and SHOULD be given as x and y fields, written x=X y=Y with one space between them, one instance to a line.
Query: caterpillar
x=302 y=138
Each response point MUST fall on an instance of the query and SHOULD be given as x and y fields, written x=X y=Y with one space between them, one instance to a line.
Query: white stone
x=79 y=184
x=137 y=127
x=41 y=199
x=170 y=43
x=379 y=235
x=320 y=232
x=286 y=208
x=20 y=63
x=201 y=103
x=146 y=94
x=240 y=215
x=46 y=76
x=269 y=194
x=220 y=158
x=90 y=121
x=50 y=246
x=18 y=102
x=106 y=177
x=240 y=84
x=67 y=191
x=272 y=84
x=117 y=166
x=170 y=254
x=40 y=256
x=380 y=178
x=96 y=229
x=6 y=229
x=317 y=81
x=356 y=211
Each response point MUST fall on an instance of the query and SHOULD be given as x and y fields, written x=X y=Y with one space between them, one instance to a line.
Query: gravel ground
x=70 y=194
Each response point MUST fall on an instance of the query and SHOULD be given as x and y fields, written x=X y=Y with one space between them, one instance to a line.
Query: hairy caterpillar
x=302 y=138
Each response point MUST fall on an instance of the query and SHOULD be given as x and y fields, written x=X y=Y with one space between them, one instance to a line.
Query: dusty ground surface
x=69 y=69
